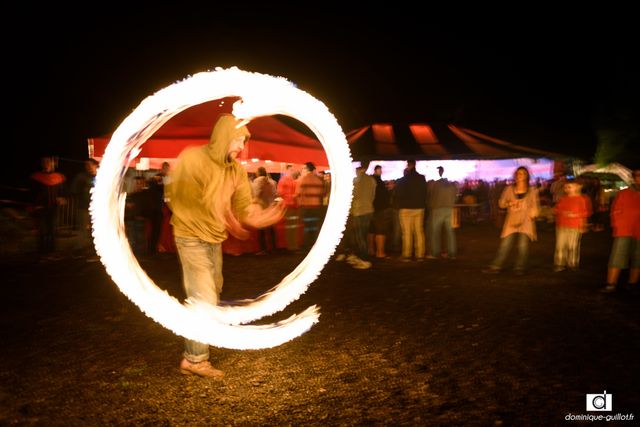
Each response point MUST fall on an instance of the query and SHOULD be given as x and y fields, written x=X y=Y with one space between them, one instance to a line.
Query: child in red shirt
x=572 y=211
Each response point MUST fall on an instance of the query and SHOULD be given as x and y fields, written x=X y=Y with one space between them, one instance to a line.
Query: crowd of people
x=209 y=196
x=410 y=217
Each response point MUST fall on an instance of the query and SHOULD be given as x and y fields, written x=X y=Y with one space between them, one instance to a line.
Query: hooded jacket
x=205 y=184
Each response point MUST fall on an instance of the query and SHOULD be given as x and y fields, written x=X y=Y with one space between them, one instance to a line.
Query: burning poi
x=220 y=325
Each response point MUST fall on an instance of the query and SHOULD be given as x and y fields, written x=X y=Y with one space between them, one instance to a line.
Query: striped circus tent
x=384 y=141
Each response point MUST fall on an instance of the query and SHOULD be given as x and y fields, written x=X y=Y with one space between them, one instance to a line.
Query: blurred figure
x=572 y=212
x=382 y=216
x=522 y=204
x=210 y=196
x=410 y=195
x=364 y=192
x=264 y=193
x=442 y=198
x=557 y=187
x=48 y=193
x=156 y=210
x=625 y=221
x=287 y=190
x=309 y=195
x=81 y=192
x=136 y=206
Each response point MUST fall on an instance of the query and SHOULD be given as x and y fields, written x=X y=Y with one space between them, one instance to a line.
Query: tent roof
x=385 y=141
x=270 y=139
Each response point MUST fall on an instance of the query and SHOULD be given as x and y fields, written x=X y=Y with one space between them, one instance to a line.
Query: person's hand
x=257 y=218
x=261 y=218
x=234 y=227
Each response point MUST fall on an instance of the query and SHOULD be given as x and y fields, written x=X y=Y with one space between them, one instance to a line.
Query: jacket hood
x=226 y=129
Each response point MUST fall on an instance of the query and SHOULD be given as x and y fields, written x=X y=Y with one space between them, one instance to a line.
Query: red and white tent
x=385 y=141
x=273 y=143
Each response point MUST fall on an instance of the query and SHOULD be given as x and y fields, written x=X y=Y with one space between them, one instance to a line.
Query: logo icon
x=600 y=402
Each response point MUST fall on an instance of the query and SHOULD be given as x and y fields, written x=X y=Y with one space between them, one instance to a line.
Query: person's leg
x=271 y=231
x=154 y=236
x=560 y=255
x=312 y=218
x=262 y=240
x=573 y=249
x=418 y=225
x=523 y=252
x=362 y=228
x=407 y=236
x=202 y=278
x=503 y=251
x=396 y=232
x=452 y=247
x=291 y=227
x=434 y=232
x=380 y=242
x=50 y=230
x=618 y=260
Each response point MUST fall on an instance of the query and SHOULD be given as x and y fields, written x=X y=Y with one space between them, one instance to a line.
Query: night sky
x=543 y=81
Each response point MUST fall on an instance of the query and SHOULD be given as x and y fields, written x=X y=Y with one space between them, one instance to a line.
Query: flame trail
x=222 y=325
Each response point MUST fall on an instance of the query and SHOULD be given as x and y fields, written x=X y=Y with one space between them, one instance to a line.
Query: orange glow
x=383 y=133
x=427 y=140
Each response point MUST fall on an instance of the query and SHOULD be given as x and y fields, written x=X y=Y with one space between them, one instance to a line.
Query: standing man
x=442 y=198
x=264 y=193
x=81 y=191
x=48 y=191
x=364 y=191
x=287 y=190
x=410 y=197
x=210 y=194
x=625 y=221
x=309 y=194
x=382 y=216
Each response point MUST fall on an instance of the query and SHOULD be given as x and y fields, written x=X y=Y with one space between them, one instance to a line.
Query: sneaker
x=202 y=369
x=352 y=259
x=340 y=257
x=361 y=264
x=558 y=268
x=608 y=289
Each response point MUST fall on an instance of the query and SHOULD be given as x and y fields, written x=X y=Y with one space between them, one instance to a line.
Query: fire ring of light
x=222 y=325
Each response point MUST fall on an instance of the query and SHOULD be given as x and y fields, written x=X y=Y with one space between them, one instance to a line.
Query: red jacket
x=572 y=211
x=287 y=190
x=625 y=214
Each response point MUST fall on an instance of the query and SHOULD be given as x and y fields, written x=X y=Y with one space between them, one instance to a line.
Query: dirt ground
x=431 y=343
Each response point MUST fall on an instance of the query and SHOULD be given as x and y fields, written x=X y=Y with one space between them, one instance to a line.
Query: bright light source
x=261 y=95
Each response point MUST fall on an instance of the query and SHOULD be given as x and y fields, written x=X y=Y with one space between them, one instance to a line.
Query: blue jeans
x=441 y=217
x=359 y=230
x=312 y=219
x=202 y=279
x=505 y=247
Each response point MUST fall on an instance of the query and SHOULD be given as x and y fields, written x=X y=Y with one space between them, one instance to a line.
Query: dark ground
x=435 y=343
